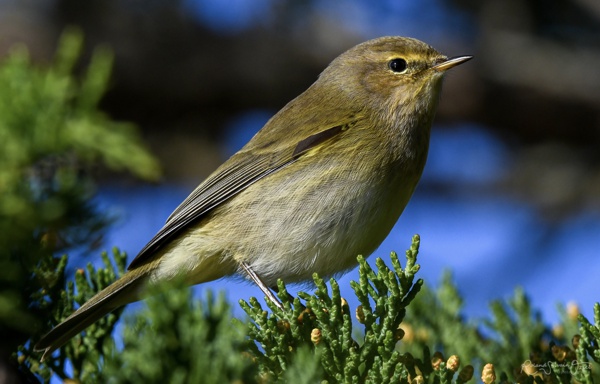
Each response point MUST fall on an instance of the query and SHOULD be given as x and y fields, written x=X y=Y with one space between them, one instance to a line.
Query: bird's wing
x=236 y=174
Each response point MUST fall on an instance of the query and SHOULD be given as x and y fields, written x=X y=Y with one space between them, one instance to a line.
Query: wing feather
x=240 y=171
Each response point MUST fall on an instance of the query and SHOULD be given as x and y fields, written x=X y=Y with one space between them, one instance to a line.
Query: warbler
x=323 y=181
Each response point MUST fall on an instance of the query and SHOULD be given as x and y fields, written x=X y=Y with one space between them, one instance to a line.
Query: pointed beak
x=452 y=62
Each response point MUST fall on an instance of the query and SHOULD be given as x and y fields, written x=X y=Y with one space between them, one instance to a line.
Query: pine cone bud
x=466 y=373
x=436 y=360
x=488 y=374
x=453 y=363
x=360 y=314
x=315 y=336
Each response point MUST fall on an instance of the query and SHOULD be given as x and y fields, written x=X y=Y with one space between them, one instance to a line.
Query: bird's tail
x=123 y=291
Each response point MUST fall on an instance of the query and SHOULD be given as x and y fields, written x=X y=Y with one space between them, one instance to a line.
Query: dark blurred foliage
x=52 y=137
x=539 y=60
x=539 y=70
x=535 y=80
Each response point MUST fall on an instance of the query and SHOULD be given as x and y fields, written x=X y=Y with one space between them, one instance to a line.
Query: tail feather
x=121 y=292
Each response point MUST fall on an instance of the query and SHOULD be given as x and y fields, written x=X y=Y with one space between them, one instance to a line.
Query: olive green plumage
x=323 y=181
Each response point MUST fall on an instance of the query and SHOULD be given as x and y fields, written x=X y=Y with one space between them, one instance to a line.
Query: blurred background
x=511 y=192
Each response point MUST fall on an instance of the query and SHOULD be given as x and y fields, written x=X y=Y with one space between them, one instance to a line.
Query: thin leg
x=263 y=287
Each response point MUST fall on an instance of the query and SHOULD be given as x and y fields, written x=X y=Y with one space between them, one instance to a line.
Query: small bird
x=323 y=181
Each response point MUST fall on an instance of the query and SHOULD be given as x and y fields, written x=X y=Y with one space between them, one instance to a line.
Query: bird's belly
x=292 y=235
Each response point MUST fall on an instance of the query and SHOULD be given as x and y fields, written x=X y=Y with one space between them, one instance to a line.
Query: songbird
x=323 y=181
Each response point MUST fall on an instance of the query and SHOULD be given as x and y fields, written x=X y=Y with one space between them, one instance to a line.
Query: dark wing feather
x=240 y=171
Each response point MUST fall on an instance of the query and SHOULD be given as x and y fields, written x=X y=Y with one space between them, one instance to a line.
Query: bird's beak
x=452 y=62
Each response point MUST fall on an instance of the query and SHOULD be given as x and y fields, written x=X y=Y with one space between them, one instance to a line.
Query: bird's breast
x=315 y=217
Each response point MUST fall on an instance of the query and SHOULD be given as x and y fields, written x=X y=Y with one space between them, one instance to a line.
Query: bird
x=322 y=182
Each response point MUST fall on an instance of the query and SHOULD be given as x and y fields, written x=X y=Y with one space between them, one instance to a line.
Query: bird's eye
x=397 y=65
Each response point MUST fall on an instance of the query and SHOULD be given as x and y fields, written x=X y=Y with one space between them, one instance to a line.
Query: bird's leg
x=263 y=287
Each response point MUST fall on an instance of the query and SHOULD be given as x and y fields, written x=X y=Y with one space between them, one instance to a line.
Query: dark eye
x=397 y=65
